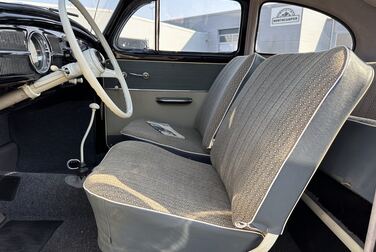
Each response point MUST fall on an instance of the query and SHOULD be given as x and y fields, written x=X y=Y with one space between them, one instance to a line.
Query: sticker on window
x=288 y=28
x=287 y=15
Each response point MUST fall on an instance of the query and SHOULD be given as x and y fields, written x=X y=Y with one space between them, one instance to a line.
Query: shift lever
x=79 y=164
x=93 y=107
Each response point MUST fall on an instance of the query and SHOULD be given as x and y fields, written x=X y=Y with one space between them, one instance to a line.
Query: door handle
x=144 y=75
x=174 y=100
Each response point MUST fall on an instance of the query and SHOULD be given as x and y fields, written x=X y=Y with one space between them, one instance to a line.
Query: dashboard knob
x=54 y=68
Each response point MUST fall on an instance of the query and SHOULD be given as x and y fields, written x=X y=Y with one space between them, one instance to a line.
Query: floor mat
x=43 y=196
x=74 y=235
x=26 y=235
x=56 y=136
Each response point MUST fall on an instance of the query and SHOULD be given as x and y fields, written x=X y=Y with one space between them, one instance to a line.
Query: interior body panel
x=168 y=75
x=167 y=80
x=180 y=114
x=354 y=147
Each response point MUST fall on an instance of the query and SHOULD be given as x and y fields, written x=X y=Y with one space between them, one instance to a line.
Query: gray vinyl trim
x=351 y=159
x=361 y=120
x=163 y=232
x=146 y=107
x=168 y=75
x=167 y=62
x=255 y=231
x=309 y=159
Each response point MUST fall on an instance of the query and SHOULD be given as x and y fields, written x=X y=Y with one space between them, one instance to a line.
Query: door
x=171 y=54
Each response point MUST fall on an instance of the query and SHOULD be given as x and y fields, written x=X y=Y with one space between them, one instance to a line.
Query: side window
x=139 y=31
x=286 y=28
x=198 y=26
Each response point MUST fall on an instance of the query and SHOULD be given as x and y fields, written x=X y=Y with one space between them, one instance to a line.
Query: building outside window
x=228 y=39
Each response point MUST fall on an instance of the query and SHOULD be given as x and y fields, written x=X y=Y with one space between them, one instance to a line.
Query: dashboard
x=27 y=52
x=31 y=41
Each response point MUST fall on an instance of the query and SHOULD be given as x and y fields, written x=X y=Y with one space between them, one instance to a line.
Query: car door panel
x=168 y=75
x=172 y=93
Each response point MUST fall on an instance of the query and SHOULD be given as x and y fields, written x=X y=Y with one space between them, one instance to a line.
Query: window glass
x=199 y=25
x=204 y=26
x=285 y=28
x=139 y=31
x=228 y=40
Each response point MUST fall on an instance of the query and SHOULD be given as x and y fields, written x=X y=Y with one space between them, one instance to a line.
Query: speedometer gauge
x=40 y=52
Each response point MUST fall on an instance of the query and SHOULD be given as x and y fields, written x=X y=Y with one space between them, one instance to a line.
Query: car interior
x=187 y=125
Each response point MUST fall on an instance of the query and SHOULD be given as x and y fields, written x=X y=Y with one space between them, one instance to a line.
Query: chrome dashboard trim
x=43 y=41
x=14 y=53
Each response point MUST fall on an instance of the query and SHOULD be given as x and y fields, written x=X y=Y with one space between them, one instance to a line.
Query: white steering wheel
x=89 y=72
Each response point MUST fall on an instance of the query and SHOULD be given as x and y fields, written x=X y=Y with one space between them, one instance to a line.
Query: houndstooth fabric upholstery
x=222 y=93
x=144 y=175
x=266 y=121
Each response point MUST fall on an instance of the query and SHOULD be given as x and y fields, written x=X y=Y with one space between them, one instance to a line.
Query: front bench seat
x=267 y=149
x=198 y=139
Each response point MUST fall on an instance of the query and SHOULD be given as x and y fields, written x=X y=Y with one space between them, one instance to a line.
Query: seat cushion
x=139 y=129
x=144 y=175
x=145 y=198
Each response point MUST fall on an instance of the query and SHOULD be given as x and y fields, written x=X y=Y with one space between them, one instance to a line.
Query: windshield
x=100 y=10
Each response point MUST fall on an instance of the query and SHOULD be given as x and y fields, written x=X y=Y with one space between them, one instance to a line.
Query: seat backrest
x=278 y=129
x=221 y=94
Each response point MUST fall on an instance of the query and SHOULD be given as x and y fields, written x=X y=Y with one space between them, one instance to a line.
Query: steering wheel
x=87 y=67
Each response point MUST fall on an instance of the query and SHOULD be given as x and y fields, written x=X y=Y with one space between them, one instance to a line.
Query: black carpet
x=48 y=136
x=42 y=196
x=26 y=235
x=8 y=187
x=285 y=243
